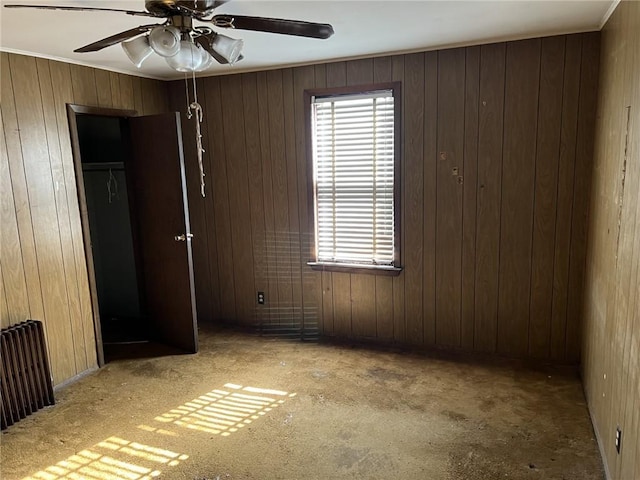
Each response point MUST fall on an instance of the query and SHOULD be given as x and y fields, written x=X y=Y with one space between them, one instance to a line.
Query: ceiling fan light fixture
x=165 y=40
x=190 y=57
x=137 y=49
x=207 y=61
x=227 y=47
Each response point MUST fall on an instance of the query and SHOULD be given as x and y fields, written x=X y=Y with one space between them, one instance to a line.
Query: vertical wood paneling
x=41 y=196
x=518 y=174
x=469 y=194
x=85 y=87
x=341 y=303
x=15 y=297
x=491 y=121
x=293 y=233
x=209 y=211
x=564 y=207
x=450 y=164
x=279 y=237
x=63 y=94
x=267 y=186
x=20 y=194
x=137 y=94
x=629 y=463
x=217 y=157
x=430 y=186
x=546 y=186
x=412 y=198
x=382 y=70
x=611 y=331
x=63 y=217
x=581 y=191
x=255 y=191
x=103 y=88
x=155 y=98
x=239 y=210
x=336 y=74
x=127 y=100
x=363 y=305
x=116 y=97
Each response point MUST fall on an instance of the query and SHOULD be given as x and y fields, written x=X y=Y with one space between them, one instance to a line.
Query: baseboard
x=74 y=379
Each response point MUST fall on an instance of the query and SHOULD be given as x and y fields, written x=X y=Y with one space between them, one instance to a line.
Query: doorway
x=134 y=212
x=104 y=147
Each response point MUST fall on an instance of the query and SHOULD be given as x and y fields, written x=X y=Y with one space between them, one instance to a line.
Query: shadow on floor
x=139 y=350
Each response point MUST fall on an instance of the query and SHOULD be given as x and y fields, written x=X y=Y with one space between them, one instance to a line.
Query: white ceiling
x=362 y=28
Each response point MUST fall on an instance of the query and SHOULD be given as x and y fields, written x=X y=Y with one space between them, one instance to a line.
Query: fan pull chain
x=198 y=109
x=195 y=106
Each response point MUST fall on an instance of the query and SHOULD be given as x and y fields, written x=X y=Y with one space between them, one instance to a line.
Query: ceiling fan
x=187 y=47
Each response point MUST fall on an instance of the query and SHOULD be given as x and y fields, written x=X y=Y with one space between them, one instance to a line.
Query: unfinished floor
x=249 y=407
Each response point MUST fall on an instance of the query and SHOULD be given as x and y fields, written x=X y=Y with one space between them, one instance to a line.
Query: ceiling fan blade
x=274 y=25
x=113 y=39
x=205 y=42
x=84 y=9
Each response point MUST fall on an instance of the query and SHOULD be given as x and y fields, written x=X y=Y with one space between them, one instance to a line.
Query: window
x=355 y=178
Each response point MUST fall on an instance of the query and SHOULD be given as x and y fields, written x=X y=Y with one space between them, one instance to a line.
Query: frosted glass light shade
x=207 y=61
x=165 y=40
x=190 y=58
x=227 y=47
x=137 y=49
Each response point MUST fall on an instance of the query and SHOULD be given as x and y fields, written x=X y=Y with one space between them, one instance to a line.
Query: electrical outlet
x=618 y=439
x=261 y=298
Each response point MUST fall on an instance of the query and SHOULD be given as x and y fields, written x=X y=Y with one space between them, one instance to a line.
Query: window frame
x=396 y=268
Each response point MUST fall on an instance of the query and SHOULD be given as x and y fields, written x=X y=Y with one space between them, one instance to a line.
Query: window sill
x=356 y=268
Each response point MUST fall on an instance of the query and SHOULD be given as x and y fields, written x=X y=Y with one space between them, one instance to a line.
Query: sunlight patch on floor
x=148 y=428
x=220 y=411
x=112 y=459
x=225 y=411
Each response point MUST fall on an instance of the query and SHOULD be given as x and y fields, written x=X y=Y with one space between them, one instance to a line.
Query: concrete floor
x=249 y=407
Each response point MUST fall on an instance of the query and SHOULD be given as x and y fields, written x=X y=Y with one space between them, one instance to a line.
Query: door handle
x=183 y=237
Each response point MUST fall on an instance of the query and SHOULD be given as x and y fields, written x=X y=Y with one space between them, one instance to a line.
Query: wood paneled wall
x=44 y=274
x=493 y=255
x=611 y=359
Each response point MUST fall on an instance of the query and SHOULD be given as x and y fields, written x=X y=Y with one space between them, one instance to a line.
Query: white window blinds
x=353 y=153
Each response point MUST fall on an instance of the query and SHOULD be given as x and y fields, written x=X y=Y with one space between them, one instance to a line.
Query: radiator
x=24 y=373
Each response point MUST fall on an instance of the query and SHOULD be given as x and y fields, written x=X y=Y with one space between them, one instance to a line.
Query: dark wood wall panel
x=449 y=188
x=518 y=179
x=546 y=193
x=429 y=197
x=44 y=272
x=469 y=194
x=611 y=302
x=237 y=177
x=412 y=188
x=488 y=133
